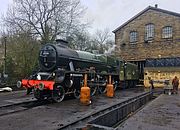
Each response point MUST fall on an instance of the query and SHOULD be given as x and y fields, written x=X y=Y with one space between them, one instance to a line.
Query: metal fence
x=163 y=62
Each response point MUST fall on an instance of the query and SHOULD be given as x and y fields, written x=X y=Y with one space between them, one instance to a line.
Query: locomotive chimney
x=62 y=42
x=156 y=5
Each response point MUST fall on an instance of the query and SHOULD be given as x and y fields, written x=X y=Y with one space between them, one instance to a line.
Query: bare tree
x=101 y=36
x=81 y=40
x=102 y=39
x=46 y=19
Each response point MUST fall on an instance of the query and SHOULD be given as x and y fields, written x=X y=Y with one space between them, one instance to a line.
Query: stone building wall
x=158 y=47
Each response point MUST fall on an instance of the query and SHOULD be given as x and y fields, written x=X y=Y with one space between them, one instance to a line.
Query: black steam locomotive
x=62 y=69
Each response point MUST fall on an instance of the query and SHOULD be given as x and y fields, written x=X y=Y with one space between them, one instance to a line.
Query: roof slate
x=145 y=10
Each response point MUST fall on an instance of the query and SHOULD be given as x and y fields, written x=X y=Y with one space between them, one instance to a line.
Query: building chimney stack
x=156 y=5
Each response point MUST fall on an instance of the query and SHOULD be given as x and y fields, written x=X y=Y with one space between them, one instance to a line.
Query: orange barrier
x=110 y=88
x=85 y=93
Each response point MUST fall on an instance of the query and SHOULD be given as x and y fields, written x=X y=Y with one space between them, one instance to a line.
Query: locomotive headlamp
x=133 y=72
x=41 y=86
x=125 y=64
x=19 y=84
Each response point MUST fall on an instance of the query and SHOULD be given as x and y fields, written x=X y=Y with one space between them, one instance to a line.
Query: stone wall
x=158 y=47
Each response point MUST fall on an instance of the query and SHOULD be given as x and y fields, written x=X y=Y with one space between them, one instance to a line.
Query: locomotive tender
x=62 y=69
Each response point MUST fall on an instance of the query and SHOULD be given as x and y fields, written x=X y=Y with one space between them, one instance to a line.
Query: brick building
x=152 y=33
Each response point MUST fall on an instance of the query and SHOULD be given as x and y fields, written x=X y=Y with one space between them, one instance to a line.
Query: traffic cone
x=85 y=93
x=110 y=88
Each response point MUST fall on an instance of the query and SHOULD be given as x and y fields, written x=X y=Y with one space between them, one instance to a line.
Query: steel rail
x=21 y=106
x=99 y=113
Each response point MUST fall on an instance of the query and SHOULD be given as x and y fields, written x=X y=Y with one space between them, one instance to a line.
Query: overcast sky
x=112 y=13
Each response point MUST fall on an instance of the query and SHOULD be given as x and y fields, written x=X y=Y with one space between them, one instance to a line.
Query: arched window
x=133 y=36
x=149 y=31
x=167 y=32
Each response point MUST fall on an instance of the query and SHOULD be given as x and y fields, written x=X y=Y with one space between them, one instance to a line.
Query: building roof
x=145 y=10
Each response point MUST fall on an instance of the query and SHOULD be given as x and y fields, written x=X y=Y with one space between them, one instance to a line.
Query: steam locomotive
x=62 y=69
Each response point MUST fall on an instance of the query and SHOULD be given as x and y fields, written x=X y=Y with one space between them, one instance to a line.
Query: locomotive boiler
x=62 y=69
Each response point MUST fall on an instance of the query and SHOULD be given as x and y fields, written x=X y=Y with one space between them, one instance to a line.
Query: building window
x=167 y=32
x=133 y=36
x=149 y=32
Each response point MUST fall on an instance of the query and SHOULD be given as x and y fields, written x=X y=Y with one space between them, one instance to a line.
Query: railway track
x=67 y=115
x=14 y=87
x=14 y=102
x=79 y=123
x=21 y=106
